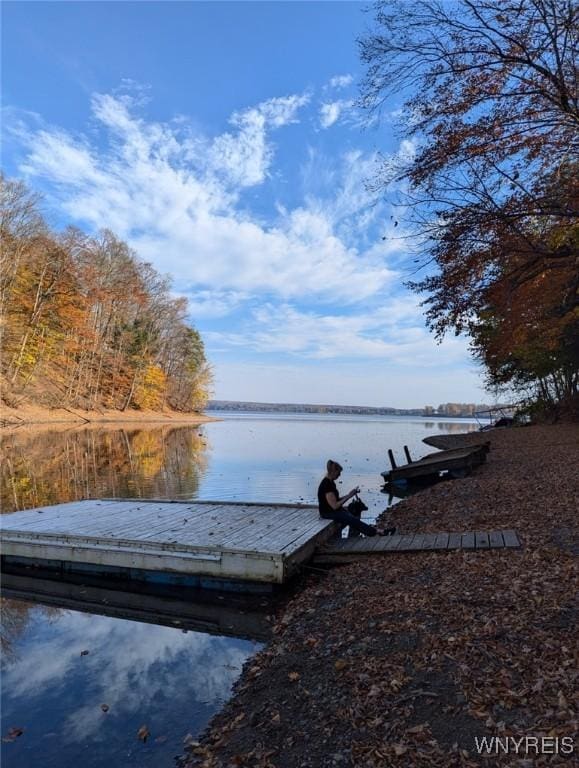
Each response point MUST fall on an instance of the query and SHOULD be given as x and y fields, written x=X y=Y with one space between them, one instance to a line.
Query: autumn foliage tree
x=85 y=323
x=491 y=103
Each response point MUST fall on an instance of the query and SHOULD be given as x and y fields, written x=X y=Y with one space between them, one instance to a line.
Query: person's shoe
x=387 y=532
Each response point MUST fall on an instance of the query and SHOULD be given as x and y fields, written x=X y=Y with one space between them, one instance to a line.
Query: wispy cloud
x=130 y=666
x=341 y=81
x=315 y=280
x=394 y=333
x=245 y=156
x=330 y=111
x=178 y=197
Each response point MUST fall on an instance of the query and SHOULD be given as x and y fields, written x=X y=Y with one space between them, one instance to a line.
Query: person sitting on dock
x=331 y=504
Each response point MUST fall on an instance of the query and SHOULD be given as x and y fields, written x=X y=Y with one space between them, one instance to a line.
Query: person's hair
x=333 y=466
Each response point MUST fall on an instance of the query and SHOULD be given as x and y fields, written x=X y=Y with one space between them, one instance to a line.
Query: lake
x=166 y=679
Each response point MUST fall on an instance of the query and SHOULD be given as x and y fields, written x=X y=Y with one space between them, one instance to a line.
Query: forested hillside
x=85 y=323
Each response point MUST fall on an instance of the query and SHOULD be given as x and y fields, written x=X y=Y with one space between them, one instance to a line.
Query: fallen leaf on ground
x=143 y=733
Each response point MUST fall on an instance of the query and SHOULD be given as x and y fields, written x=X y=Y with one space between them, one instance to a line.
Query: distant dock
x=458 y=462
x=200 y=543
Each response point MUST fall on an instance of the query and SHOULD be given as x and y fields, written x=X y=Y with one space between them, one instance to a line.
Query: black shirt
x=326 y=486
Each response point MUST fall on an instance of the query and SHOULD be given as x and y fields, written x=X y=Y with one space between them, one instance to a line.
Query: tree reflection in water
x=42 y=467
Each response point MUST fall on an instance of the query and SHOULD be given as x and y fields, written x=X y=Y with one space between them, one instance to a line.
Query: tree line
x=85 y=323
x=490 y=90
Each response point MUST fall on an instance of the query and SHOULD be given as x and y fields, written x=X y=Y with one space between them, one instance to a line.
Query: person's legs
x=352 y=532
x=347 y=518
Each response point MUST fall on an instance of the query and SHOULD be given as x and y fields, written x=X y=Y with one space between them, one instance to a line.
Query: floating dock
x=458 y=462
x=226 y=543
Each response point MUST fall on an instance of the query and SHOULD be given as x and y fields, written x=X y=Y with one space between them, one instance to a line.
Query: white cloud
x=341 y=81
x=246 y=155
x=330 y=112
x=180 y=198
x=176 y=196
x=130 y=665
x=394 y=332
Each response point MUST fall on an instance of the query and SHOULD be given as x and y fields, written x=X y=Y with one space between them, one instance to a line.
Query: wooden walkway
x=223 y=540
x=347 y=549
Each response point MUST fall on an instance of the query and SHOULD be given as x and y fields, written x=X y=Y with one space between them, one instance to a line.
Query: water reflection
x=168 y=679
x=257 y=457
x=41 y=467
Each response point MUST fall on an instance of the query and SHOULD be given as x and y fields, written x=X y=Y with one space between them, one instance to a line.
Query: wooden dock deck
x=344 y=550
x=239 y=541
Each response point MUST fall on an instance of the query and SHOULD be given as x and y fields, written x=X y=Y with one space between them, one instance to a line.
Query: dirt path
x=404 y=660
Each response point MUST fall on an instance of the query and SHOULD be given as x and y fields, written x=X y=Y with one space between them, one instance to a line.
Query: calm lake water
x=171 y=679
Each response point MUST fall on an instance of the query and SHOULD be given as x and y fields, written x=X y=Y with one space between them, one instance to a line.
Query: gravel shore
x=406 y=660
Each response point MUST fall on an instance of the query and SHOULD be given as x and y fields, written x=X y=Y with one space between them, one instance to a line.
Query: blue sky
x=223 y=142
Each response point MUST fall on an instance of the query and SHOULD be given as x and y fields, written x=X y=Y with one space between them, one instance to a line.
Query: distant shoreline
x=221 y=413
x=232 y=406
x=34 y=414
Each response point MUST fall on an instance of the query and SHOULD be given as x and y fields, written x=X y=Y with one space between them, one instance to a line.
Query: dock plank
x=429 y=540
x=377 y=543
x=454 y=541
x=282 y=520
x=199 y=522
x=318 y=524
x=361 y=544
x=391 y=542
x=140 y=520
x=50 y=518
x=277 y=529
x=496 y=540
x=511 y=539
x=441 y=541
x=221 y=529
x=481 y=540
x=468 y=541
x=417 y=542
x=406 y=542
